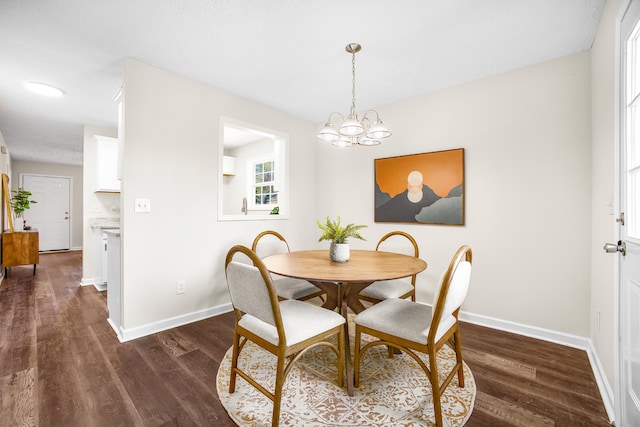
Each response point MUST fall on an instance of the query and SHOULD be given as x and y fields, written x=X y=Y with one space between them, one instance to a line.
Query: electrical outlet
x=95 y=208
x=143 y=205
x=181 y=287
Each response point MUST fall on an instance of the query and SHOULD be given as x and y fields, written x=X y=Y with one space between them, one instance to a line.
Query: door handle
x=612 y=248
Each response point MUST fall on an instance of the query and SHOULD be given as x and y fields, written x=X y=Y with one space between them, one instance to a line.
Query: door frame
x=71 y=198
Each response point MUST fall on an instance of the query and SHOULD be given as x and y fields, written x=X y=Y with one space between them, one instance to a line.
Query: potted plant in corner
x=338 y=235
x=19 y=203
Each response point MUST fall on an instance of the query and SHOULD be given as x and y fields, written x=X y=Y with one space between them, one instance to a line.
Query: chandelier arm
x=366 y=123
x=372 y=111
x=335 y=113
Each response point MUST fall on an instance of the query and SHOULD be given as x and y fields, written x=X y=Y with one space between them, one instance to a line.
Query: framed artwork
x=425 y=188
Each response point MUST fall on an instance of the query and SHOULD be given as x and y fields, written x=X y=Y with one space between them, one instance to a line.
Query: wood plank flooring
x=61 y=365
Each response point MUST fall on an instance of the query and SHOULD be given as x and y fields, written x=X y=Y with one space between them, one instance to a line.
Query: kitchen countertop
x=104 y=223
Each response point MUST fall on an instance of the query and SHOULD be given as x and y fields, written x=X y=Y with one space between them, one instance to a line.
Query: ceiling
x=288 y=54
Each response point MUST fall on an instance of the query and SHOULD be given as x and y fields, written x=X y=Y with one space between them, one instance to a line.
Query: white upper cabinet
x=107 y=164
x=228 y=166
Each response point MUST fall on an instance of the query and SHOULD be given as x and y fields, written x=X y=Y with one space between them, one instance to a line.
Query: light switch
x=143 y=205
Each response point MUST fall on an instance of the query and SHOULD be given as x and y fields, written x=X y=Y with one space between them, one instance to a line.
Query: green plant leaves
x=20 y=201
x=333 y=231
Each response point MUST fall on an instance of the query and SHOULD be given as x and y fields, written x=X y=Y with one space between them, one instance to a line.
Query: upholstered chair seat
x=296 y=330
x=385 y=289
x=290 y=288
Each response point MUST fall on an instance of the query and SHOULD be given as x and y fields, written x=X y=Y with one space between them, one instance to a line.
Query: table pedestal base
x=344 y=297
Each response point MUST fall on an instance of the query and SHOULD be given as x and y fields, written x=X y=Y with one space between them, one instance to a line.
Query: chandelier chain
x=353 y=83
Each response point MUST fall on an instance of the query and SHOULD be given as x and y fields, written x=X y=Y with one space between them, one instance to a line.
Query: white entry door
x=628 y=247
x=51 y=214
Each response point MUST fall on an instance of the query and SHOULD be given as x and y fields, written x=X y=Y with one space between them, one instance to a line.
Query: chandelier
x=352 y=130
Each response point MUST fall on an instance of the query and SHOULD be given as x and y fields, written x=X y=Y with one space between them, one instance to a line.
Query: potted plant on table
x=19 y=203
x=338 y=235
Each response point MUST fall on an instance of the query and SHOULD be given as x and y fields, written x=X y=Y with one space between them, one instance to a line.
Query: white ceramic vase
x=339 y=252
x=18 y=224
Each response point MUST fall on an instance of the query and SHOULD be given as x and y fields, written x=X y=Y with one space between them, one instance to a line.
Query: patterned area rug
x=392 y=391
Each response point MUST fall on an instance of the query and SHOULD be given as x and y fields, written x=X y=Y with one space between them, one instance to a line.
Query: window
x=264 y=184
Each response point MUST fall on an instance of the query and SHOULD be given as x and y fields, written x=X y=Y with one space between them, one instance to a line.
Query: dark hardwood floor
x=61 y=365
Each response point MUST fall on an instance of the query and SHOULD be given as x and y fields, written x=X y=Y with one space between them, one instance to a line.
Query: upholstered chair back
x=249 y=292
x=454 y=285
x=399 y=243
x=269 y=243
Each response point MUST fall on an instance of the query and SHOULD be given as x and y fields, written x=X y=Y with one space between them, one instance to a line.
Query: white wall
x=603 y=226
x=171 y=132
x=526 y=136
x=51 y=169
x=108 y=204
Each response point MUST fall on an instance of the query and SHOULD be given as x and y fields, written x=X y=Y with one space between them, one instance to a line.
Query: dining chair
x=397 y=242
x=271 y=242
x=414 y=327
x=287 y=329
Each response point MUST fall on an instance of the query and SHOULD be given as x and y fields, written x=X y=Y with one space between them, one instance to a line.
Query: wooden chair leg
x=437 y=411
x=435 y=387
x=234 y=362
x=277 y=395
x=458 y=349
x=356 y=359
x=341 y=360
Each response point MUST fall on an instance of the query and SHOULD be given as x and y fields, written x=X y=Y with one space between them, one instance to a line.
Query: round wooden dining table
x=343 y=281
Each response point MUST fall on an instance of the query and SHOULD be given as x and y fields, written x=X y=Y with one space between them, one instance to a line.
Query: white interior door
x=628 y=248
x=51 y=214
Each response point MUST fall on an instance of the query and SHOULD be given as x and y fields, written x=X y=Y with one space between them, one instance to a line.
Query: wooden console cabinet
x=20 y=248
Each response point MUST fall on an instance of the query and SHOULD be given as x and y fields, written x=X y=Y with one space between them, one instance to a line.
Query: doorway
x=51 y=215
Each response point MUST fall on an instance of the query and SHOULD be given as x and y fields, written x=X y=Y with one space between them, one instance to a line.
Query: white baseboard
x=116 y=329
x=173 y=322
x=608 y=397
x=569 y=340
x=93 y=281
x=562 y=338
